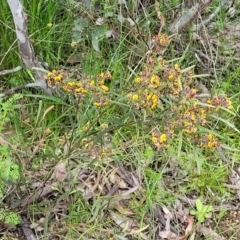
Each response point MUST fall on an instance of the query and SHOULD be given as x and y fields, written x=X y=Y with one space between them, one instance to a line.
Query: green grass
x=96 y=142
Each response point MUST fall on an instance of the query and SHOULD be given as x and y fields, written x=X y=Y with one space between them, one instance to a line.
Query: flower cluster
x=74 y=87
x=145 y=99
x=159 y=139
x=161 y=80
x=192 y=116
x=160 y=85
x=207 y=141
x=97 y=87
x=55 y=78
x=220 y=101
x=100 y=89
x=159 y=42
x=188 y=116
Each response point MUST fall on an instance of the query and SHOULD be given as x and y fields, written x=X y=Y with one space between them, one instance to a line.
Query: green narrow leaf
x=229 y=148
x=226 y=122
x=180 y=138
x=198 y=160
x=39 y=111
x=52 y=98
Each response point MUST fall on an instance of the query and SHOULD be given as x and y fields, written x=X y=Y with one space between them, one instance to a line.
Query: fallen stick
x=26 y=51
x=16 y=69
x=27 y=230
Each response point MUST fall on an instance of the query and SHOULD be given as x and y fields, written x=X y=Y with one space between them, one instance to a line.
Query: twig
x=209 y=233
x=26 y=50
x=235 y=187
x=28 y=85
x=27 y=230
x=38 y=196
x=188 y=17
x=225 y=207
x=223 y=157
x=125 y=175
x=158 y=215
x=4 y=72
x=112 y=191
x=197 y=27
x=202 y=55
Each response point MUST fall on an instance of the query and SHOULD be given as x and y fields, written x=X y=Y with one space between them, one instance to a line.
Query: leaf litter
x=110 y=192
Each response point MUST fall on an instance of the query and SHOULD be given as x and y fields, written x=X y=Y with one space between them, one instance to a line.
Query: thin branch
x=19 y=88
x=206 y=21
x=4 y=72
x=28 y=232
x=26 y=50
x=24 y=44
x=187 y=17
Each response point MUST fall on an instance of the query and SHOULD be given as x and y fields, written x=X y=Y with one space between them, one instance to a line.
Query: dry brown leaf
x=28 y=232
x=37 y=196
x=235 y=179
x=46 y=111
x=124 y=211
x=159 y=14
x=167 y=212
x=128 y=225
x=209 y=233
x=137 y=231
x=192 y=237
x=122 y=184
x=113 y=178
x=46 y=132
x=190 y=220
x=135 y=180
x=122 y=221
x=168 y=216
x=181 y=211
x=60 y=172
x=4 y=141
x=41 y=143
x=87 y=194
x=38 y=225
x=125 y=175
x=60 y=207
x=167 y=235
x=232 y=34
